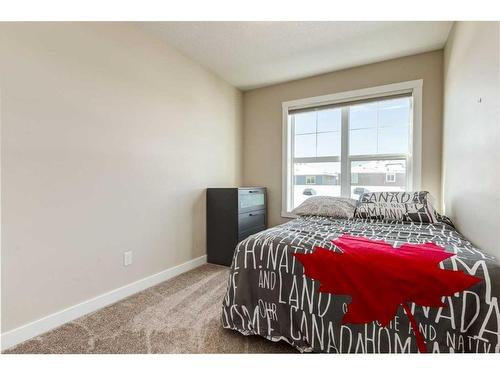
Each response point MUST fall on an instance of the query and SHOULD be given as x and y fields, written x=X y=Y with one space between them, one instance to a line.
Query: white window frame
x=413 y=161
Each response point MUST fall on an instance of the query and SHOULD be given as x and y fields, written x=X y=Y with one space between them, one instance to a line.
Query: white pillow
x=335 y=207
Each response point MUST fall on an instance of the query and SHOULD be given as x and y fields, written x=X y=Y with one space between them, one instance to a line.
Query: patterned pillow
x=335 y=207
x=401 y=206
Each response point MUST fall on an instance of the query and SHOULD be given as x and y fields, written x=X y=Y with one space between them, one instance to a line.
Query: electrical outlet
x=127 y=258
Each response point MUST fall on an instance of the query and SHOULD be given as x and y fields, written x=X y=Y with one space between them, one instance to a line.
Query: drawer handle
x=253 y=191
x=254 y=214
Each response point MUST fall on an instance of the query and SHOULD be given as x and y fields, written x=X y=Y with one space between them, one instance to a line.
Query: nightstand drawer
x=252 y=199
x=250 y=220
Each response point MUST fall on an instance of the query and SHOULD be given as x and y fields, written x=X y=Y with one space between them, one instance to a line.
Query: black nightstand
x=233 y=214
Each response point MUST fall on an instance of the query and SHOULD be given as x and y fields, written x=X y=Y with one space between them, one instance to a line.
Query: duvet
x=269 y=295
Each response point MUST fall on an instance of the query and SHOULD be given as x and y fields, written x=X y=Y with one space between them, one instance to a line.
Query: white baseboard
x=30 y=330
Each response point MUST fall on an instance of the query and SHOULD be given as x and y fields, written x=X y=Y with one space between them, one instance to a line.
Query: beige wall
x=471 y=136
x=262 y=118
x=109 y=139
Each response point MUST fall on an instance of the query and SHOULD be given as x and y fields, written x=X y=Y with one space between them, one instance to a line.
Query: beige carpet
x=181 y=315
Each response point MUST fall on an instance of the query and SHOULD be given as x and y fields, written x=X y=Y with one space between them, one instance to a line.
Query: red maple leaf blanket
x=380 y=277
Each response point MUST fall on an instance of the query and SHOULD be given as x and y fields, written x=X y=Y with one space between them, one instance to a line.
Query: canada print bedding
x=269 y=294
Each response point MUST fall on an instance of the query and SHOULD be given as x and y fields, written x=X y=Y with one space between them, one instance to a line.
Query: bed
x=269 y=295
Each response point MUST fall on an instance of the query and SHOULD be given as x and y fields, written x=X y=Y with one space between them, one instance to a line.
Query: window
x=390 y=177
x=351 y=143
x=310 y=180
x=354 y=178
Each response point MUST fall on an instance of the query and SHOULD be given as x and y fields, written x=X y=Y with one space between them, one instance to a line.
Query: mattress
x=269 y=295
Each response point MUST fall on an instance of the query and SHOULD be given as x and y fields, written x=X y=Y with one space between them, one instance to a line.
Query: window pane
x=315 y=179
x=311 y=143
x=305 y=145
x=393 y=140
x=329 y=120
x=328 y=144
x=363 y=141
x=377 y=175
x=305 y=123
x=395 y=112
x=363 y=116
x=380 y=127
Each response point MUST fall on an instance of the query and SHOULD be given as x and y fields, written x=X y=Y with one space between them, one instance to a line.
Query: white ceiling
x=255 y=54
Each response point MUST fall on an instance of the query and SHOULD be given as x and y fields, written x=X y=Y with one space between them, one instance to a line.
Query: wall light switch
x=127 y=258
